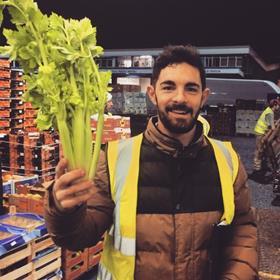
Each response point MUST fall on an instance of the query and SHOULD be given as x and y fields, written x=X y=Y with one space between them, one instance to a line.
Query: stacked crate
x=128 y=99
x=26 y=154
x=30 y=114
x=94 y=254
x=74 y=264
x=41 y=154
x=37 y=258
x=115 y=127
x=11 y=105
x=222 y=119
x=247 y=114
x=4 y=149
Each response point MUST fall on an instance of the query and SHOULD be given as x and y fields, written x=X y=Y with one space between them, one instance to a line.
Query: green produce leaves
x=63 y=80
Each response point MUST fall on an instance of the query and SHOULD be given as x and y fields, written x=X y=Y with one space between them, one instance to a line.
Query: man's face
x=109 y=105
x=178 y=96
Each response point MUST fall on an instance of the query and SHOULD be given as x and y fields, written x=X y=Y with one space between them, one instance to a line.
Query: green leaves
x=57 y=56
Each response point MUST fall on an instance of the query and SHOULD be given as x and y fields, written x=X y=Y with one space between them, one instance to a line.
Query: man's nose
x=180 y=96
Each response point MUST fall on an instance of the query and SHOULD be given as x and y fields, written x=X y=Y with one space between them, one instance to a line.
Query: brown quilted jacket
x=170 y=245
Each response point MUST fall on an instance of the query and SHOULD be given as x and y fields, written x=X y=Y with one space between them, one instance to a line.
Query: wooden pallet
x=47 y=264
x=39 y=244
x=23 y=262
x=25 y=270
x=10 y=262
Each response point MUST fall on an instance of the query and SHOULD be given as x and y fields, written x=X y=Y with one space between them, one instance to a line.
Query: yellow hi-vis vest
x=261 y=125
x=205 y=124
x=118 y=256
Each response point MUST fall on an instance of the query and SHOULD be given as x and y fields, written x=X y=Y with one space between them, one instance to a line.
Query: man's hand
x=70 y=188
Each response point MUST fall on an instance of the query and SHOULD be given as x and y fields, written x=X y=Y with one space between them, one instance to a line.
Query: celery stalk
x=97 y=145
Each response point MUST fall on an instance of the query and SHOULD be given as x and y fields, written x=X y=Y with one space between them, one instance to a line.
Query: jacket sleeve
x=83 y=226
x=241 y=254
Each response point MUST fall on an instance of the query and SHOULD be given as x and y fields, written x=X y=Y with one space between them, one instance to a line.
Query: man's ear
x=205 y=95
x=152 y=94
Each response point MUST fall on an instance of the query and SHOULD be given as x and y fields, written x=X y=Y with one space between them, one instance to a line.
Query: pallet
x=10 y=262
x=39 y=244
x=25 y=270
x=26 y=263
x=47 y=264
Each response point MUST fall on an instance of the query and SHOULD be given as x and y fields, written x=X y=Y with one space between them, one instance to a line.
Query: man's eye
x=167 y=88
x=192 y=89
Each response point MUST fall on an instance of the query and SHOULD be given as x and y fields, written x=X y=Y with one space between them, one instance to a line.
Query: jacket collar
x=171 y=145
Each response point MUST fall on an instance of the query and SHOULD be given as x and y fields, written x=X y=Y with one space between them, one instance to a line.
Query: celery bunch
x=63 y=80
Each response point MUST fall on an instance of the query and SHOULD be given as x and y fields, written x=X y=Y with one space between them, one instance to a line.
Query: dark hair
x=176 y=55
x=273 y=102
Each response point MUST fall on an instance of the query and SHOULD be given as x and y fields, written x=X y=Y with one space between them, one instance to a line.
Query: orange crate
x=74 y=264
x=93 y=260
x=95 y=249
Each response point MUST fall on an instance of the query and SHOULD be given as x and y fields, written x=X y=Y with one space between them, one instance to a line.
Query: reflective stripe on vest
x=205 y=124
x=118 y=256
x=262 y=126
x=125 y=161
x=226 y=157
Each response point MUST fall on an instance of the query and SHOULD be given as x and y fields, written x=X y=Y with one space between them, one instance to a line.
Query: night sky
x=155 y=23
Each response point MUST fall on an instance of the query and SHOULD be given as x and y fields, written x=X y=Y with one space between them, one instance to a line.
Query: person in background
x=109 y=104
x=264 y=123
x=108 y=107
x=174 y=204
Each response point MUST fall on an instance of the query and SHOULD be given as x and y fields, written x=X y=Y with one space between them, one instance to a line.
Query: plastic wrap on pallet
x=37 y=229
x=10 y=238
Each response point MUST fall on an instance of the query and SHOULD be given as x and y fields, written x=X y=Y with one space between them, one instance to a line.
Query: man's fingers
x=69 y=178
x=75 y=200
x=60 y=168
x=76 y=190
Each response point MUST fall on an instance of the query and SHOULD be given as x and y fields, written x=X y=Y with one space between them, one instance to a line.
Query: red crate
x=74 y=264
x=93 y=260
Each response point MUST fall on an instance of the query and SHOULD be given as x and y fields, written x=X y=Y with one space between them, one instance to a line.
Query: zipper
x=175 y=246
x=192 y=272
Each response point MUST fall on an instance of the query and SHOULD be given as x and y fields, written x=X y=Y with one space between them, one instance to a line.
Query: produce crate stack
x=41 y=154
x=94 y=254
x=4 y=149
x=74 y=264
x=128 y=99
x=30 y=118
x=115 y=127
x=222 y=119
x=247 y=114
x=26 y=250
x=33 y=153
x=11 y=104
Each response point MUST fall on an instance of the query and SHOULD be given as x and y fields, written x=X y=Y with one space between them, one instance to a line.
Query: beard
x=178 y=125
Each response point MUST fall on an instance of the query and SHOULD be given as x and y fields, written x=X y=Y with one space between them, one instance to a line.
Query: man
x=264 y=123
x=177 y=202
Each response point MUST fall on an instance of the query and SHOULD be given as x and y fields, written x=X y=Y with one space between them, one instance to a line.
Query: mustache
x=180 y=107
